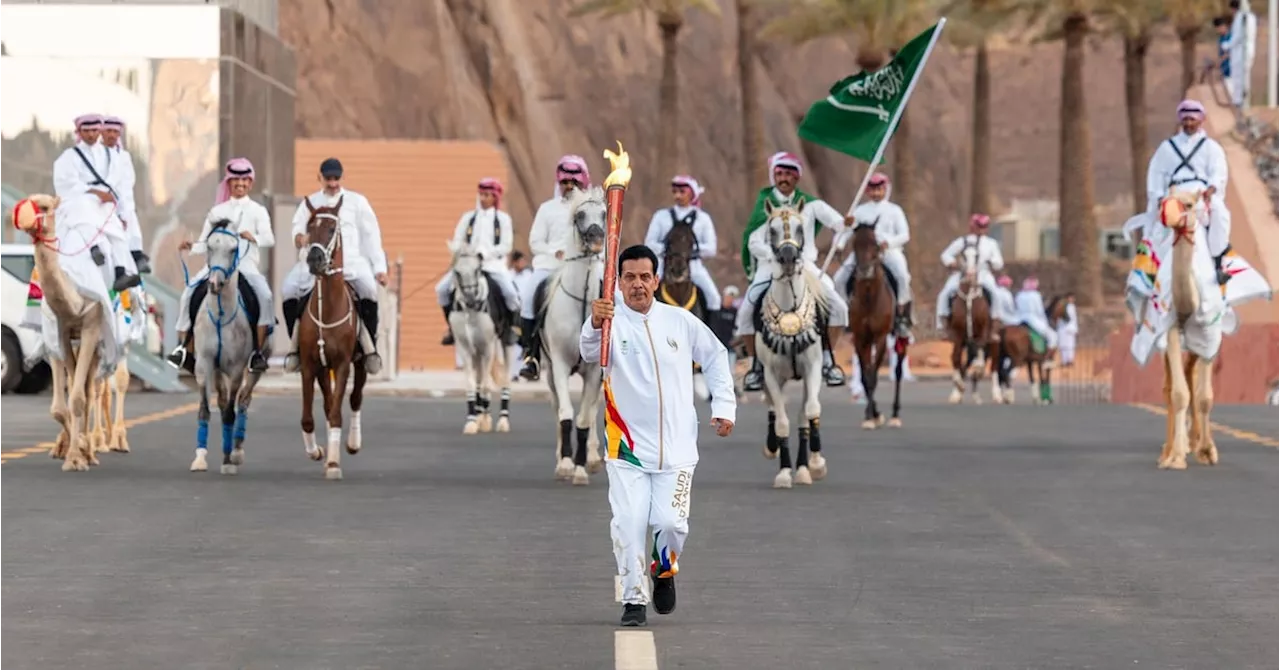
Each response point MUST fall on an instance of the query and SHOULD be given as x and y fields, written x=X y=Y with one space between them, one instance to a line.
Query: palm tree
x=971 y=24
x=1189 y=20
x=670 y=15
x=752 y=118
x=1135 y=20
x=1071 y=21
x=877 y=28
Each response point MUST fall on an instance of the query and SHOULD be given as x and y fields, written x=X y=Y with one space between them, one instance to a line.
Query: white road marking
x=634 y=650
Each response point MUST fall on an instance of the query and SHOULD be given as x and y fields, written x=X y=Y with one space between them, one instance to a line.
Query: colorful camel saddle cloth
x=1149 y=292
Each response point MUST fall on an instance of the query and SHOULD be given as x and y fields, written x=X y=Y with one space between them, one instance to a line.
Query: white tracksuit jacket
x=651 y=420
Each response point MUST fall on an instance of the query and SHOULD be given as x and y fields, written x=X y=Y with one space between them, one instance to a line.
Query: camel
x=1188 y=385
x=109 y=431
x=79 y=318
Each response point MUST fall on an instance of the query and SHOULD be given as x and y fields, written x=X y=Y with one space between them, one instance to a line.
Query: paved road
x=989 y=537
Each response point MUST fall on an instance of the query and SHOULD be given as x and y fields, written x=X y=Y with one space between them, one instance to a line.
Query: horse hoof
x=471 y=427
x=199 y=464
x=580 y=477
x=770 y=455
x=869 y=424
x=802 y=476
x=955 y=397
x=817 y=467
x=783 y=480
x=230 y=469
x=486 y=423
x=564 y=469
x=594 y=463
x=977 y=400
x=332 y=472
x=881 y=419
x=895 y=422
x=504 y=425
x=237 y=457
x=317 y=455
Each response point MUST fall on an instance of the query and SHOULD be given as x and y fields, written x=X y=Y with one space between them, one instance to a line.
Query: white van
x=22 y=368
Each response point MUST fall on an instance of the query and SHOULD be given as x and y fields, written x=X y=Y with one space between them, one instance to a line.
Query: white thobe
x=704 y=230
x=988 y=261
x=551 y=232
x=891 y=230
x=123 y=179
x=362 y=254
x=1206 y=167
x=72 y=180
x=488 y=232
x=1031 y=310
x=245 y=215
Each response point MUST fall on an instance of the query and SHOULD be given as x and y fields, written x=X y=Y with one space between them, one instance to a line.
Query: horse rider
x=893 y=233
x=123 y=179
x=1193 y=158
x=485 y=230
x=687 y=210
x=363 y=260
x=785 y=171
x=83 y=168
x=549 y=239
x=1002 y=305
x=1030 y=305
x=652 y=448
x=989 y=260
x=251 y=222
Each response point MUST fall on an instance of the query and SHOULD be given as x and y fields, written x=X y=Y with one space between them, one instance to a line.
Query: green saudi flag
x=862 y=110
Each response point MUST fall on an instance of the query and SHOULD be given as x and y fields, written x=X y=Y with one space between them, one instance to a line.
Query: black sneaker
x=124 y=282
x=664 y=595
x=447 y=340
x=144 y=264
x=834 y=375
x=633 y=616
x=531 y=369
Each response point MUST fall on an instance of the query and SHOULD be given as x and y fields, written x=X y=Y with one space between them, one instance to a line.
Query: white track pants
x=702 y=279
x=530 y=288
x=640 y=501
x=299 y=282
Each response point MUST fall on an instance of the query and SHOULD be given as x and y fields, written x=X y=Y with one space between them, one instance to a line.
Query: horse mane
x=220 y=223
x=578 y=198
x=1053 y=304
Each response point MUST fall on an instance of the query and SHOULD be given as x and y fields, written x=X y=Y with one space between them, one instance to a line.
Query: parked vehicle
x=22 y=368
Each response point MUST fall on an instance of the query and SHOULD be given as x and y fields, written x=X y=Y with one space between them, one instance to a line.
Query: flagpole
x=893 y=125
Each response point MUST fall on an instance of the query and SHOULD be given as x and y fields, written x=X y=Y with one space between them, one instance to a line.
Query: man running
x=651 y=425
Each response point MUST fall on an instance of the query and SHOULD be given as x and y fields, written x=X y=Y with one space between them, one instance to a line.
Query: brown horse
x=969 y=327
x=1015 y=349
x=677 y=287
x=871 y=317
x=328 y=332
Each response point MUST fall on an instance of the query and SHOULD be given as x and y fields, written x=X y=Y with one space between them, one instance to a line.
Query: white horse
x=563 y=304
x=224 y=342
x=477 y=310
x=789 y=343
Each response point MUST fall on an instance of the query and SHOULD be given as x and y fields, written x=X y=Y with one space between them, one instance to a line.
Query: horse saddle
x=888 y=277
x=1037 y=340
x=248 y=299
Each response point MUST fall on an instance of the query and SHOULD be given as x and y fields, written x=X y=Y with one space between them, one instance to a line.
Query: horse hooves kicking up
x=199 y=464
x=783 y=480
x=802 y=476
x=580 y=477
x=230 y=469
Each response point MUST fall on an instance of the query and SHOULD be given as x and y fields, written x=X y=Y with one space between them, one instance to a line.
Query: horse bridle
x=235 y=257
x=334 y=242
x=471 y=291
x=328 y=250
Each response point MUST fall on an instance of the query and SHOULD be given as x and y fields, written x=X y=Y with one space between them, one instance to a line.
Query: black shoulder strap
x=1186 y=160
x=471 y=226
x=98 y=180
x=497 y=228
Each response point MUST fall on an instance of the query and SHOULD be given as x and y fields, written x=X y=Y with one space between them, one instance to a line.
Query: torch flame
x=620 y=164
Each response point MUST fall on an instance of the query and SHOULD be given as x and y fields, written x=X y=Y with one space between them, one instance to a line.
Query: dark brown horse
x=1016 y=349
x=677 y=287
x=871 y=318
x=969 y=327
x=327 y=337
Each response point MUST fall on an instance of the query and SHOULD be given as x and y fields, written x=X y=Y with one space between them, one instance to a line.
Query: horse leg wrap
x=202 y=434
x=771 y=439
x=471 y=405
x=784 y=456
x=483 y=402
x=242 y=421
x=228 y=430
x=580 y=455
x=815 y=440
x=802 y=451
x=566 y=438
x=506 y=402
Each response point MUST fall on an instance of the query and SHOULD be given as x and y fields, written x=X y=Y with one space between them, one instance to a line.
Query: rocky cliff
x=538 y=84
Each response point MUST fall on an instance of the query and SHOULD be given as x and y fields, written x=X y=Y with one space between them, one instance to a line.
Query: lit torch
x=615 y=188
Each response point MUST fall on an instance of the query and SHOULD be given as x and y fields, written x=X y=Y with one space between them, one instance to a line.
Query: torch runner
x=615 y=189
